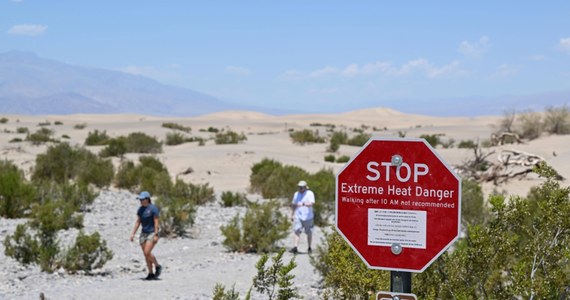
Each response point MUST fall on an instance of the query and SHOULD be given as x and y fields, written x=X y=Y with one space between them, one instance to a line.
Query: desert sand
x=194 y=265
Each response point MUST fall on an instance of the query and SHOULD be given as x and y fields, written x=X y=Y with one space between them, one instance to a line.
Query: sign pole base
x=400 y=282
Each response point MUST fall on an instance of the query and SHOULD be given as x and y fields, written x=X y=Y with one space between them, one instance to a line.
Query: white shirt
x=304 y=213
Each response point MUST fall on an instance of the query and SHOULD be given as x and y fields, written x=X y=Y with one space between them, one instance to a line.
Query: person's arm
x=155 y=238
x=137 y=224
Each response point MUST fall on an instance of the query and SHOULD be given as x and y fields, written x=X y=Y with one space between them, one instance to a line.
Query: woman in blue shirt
x=147 y=216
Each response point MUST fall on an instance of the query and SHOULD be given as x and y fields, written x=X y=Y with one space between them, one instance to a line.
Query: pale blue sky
x=316 y=56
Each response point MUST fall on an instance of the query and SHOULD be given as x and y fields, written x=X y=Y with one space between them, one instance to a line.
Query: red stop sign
x=398 y=204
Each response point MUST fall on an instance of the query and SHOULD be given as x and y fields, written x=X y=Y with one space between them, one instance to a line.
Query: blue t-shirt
x=146 y=215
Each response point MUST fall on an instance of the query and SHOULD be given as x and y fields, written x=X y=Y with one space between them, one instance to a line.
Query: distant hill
x=33 y=85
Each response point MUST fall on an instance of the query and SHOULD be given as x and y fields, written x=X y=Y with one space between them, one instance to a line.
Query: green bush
x=343 y=159
x=306 y=136
x=97 y=138
x=116 y=147
x=22 y=130
x=62 y=162
x=176 y=138
x=220 y=293
x=273 y=180
x=58 y=123
x=150 y=174
x=55 y=215
x=16 y=140
x=473 y=210
x=139 y=142
x=16 y=194
x=330 y=158
x=80 y=126
x=338 y=138
x=530 y=125
x=88 y=253
x=359 y=139
x=79 y=195
x=343 y=273
x=469 y=144
x=42 y=135
x=46 y=123
x=22 y=246
x=229 y=137
x=176 y=214
x=432 y=139
x=276 y=280
x=230 y=199
x=3 y=120
x=176 y=127
x=258 y=231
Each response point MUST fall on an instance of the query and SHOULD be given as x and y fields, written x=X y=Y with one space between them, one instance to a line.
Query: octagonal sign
x=398 y=204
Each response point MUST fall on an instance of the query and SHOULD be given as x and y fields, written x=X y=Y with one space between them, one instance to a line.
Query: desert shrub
x=176 y=138
x=530 y=125
x=22 y=130
x=469 y=144
x=276 y=280
x=229 y=137
x=176 y=126
x=176 y=214
x=557 y=120
x=80 y=126
x=22 y=246
x=258 y=231
x=16 y=140
x=210 y=129
x=62 y=162
x=150 y=174
x=230 y=199
x=342 y=159
x=343 y=273
x=16 y=194
x=42 y=135
x=330 y=158
x=58 y=123
x=279 y=181
x=199 y=194
x=55 y=215
x=97 y=138
x=45 y=123
x=402 y=134
x=139 y=142
x=337 y=138
x=306 y=136
x=273 y=180
x=79 y=195
x=473 y=210
x=3 y=120
x=220 y=293
x=322 y=183
x=359 y=139
x=432 y=139
x=87 y=253
x=115 y=147
x=65 y=136
x=447 y=143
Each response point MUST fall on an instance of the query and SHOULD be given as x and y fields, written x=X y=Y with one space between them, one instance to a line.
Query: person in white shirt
x=302 y=215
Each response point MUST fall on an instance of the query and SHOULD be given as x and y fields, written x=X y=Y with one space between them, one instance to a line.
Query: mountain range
x=33 y=85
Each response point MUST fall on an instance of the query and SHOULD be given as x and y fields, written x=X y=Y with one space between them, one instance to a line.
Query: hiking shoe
x=158 y=271
x=308 y=250
x=150 y=276
x=294 y=250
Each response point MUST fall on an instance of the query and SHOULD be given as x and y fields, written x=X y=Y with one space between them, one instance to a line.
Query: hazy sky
x=320 y=56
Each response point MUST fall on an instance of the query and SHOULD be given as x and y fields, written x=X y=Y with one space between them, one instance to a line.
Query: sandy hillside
x=194 y=265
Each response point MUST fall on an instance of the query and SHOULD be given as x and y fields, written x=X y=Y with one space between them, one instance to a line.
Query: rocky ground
x=192 y=265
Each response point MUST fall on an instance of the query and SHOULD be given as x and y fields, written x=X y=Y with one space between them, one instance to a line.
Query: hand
x=155 y=238
x=132 y=237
